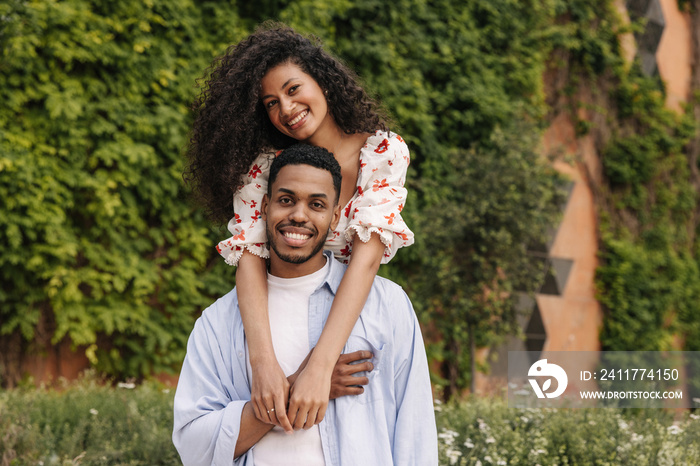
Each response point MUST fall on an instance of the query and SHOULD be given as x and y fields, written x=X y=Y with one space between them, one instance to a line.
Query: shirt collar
x=336 y=270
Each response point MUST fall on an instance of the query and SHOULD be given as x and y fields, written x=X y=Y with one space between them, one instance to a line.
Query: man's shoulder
x=223 y=310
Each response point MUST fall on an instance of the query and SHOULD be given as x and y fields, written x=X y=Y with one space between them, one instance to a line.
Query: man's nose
x=299 y=213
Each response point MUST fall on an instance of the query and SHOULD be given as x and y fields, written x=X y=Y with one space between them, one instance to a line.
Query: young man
x=389 y=422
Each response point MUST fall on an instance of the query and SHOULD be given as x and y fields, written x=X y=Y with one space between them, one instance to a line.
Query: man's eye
x=317 y=205
x=285 y=200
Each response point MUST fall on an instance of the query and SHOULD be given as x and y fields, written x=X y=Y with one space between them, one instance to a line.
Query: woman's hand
x=312 y=388
x=269 y=394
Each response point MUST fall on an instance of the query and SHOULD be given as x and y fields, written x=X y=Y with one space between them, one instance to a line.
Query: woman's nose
x=286 y=106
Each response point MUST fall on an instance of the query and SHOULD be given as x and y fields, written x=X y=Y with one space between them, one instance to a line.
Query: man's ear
x=336 y=216
x=263 y=207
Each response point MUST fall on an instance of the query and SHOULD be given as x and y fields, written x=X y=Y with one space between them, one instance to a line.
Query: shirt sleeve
x=246 y=226
x=415 y=435
x=207 y=408
x=381 y=194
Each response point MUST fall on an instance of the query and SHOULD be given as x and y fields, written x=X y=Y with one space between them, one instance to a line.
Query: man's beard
x=294 y=258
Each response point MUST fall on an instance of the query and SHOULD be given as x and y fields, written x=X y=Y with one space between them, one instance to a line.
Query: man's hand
x=311 y=389
x=269 y=394
x=343 y=381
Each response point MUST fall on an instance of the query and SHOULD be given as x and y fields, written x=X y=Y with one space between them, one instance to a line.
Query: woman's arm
x=308 y=398
x=270 y=387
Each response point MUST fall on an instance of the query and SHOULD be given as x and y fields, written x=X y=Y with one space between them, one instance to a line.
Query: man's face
x=299 y=212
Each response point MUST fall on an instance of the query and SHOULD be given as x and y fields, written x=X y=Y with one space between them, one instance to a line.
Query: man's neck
x=282 y=269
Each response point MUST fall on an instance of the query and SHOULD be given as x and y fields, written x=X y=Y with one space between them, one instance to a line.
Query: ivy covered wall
x=101 y=246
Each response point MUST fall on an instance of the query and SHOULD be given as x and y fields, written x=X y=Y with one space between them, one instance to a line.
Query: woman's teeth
x=298 y=118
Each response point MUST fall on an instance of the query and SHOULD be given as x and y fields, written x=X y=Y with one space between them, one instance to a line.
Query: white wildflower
x=623 y=425
x=437 y=408
x=468 y=443
x=166 y=390
x=488 y=458
x=674 y=430
x=490 y=440
x=453 y=455
x=694 y=416
x=93 y=411
x=448 y=436
x=524 y=419
x=478 y=463
x=592 y=422
x=501 y=463
x=482 y=424
x=127 y=385
x=696 y=401
x=538 y=452
x=636 y=438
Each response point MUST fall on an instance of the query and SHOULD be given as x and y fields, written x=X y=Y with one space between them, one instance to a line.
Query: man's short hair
x=305 y=154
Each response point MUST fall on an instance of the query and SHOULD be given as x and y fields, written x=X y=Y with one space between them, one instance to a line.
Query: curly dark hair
x=231 y=127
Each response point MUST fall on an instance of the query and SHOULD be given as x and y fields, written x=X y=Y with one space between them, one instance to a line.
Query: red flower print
x=258 y=245
x=384 y=201
x=253 y=204
x=218 y=249
x=403 y=236
x=400 y=207
x=382 y=147
x=237 y=218
x=359 y=190
x=240 y=237
x=379 y=185
x=391 y=164
x=362 y=165
x=277 y=154
x=345 y=251
x=256 y=216
x=347 y=210
x=390 y=218
x=399 y=138
x=255 y=171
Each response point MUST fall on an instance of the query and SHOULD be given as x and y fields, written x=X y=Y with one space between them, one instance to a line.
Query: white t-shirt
x=288 y=307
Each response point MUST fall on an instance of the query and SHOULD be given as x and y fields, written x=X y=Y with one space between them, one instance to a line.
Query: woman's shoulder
x=382 y=140
x=385 y=147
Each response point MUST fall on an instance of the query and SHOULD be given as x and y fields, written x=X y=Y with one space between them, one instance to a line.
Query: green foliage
x=479 y=242
x=88 y=423
x=99 y=244
x=102 y=247
x=648 y=280
x=480 y=430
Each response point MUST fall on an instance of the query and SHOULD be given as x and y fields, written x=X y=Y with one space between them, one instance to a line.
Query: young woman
x=275 y=88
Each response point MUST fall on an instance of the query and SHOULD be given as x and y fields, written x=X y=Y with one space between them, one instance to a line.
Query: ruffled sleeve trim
x=381 y=194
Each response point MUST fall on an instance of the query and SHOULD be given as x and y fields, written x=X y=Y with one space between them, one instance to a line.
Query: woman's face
x=296 y=103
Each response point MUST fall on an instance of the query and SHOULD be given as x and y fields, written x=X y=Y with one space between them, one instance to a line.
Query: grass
x=89 y=422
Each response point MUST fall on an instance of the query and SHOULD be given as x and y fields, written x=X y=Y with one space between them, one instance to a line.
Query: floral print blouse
x=374 y=208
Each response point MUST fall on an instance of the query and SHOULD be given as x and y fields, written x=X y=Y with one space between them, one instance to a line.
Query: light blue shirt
x=391 y=423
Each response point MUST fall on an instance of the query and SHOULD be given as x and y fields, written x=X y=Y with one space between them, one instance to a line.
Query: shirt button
x=240 y=354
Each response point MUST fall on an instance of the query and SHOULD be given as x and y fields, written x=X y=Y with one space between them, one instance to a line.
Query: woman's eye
x=293 y=88
x=270 y=103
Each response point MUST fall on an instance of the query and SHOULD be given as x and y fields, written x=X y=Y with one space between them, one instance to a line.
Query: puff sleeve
x=381 y=195
x=247 y=227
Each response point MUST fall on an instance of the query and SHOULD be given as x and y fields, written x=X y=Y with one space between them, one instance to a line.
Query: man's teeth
x=298 y=118
x=296 y=236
